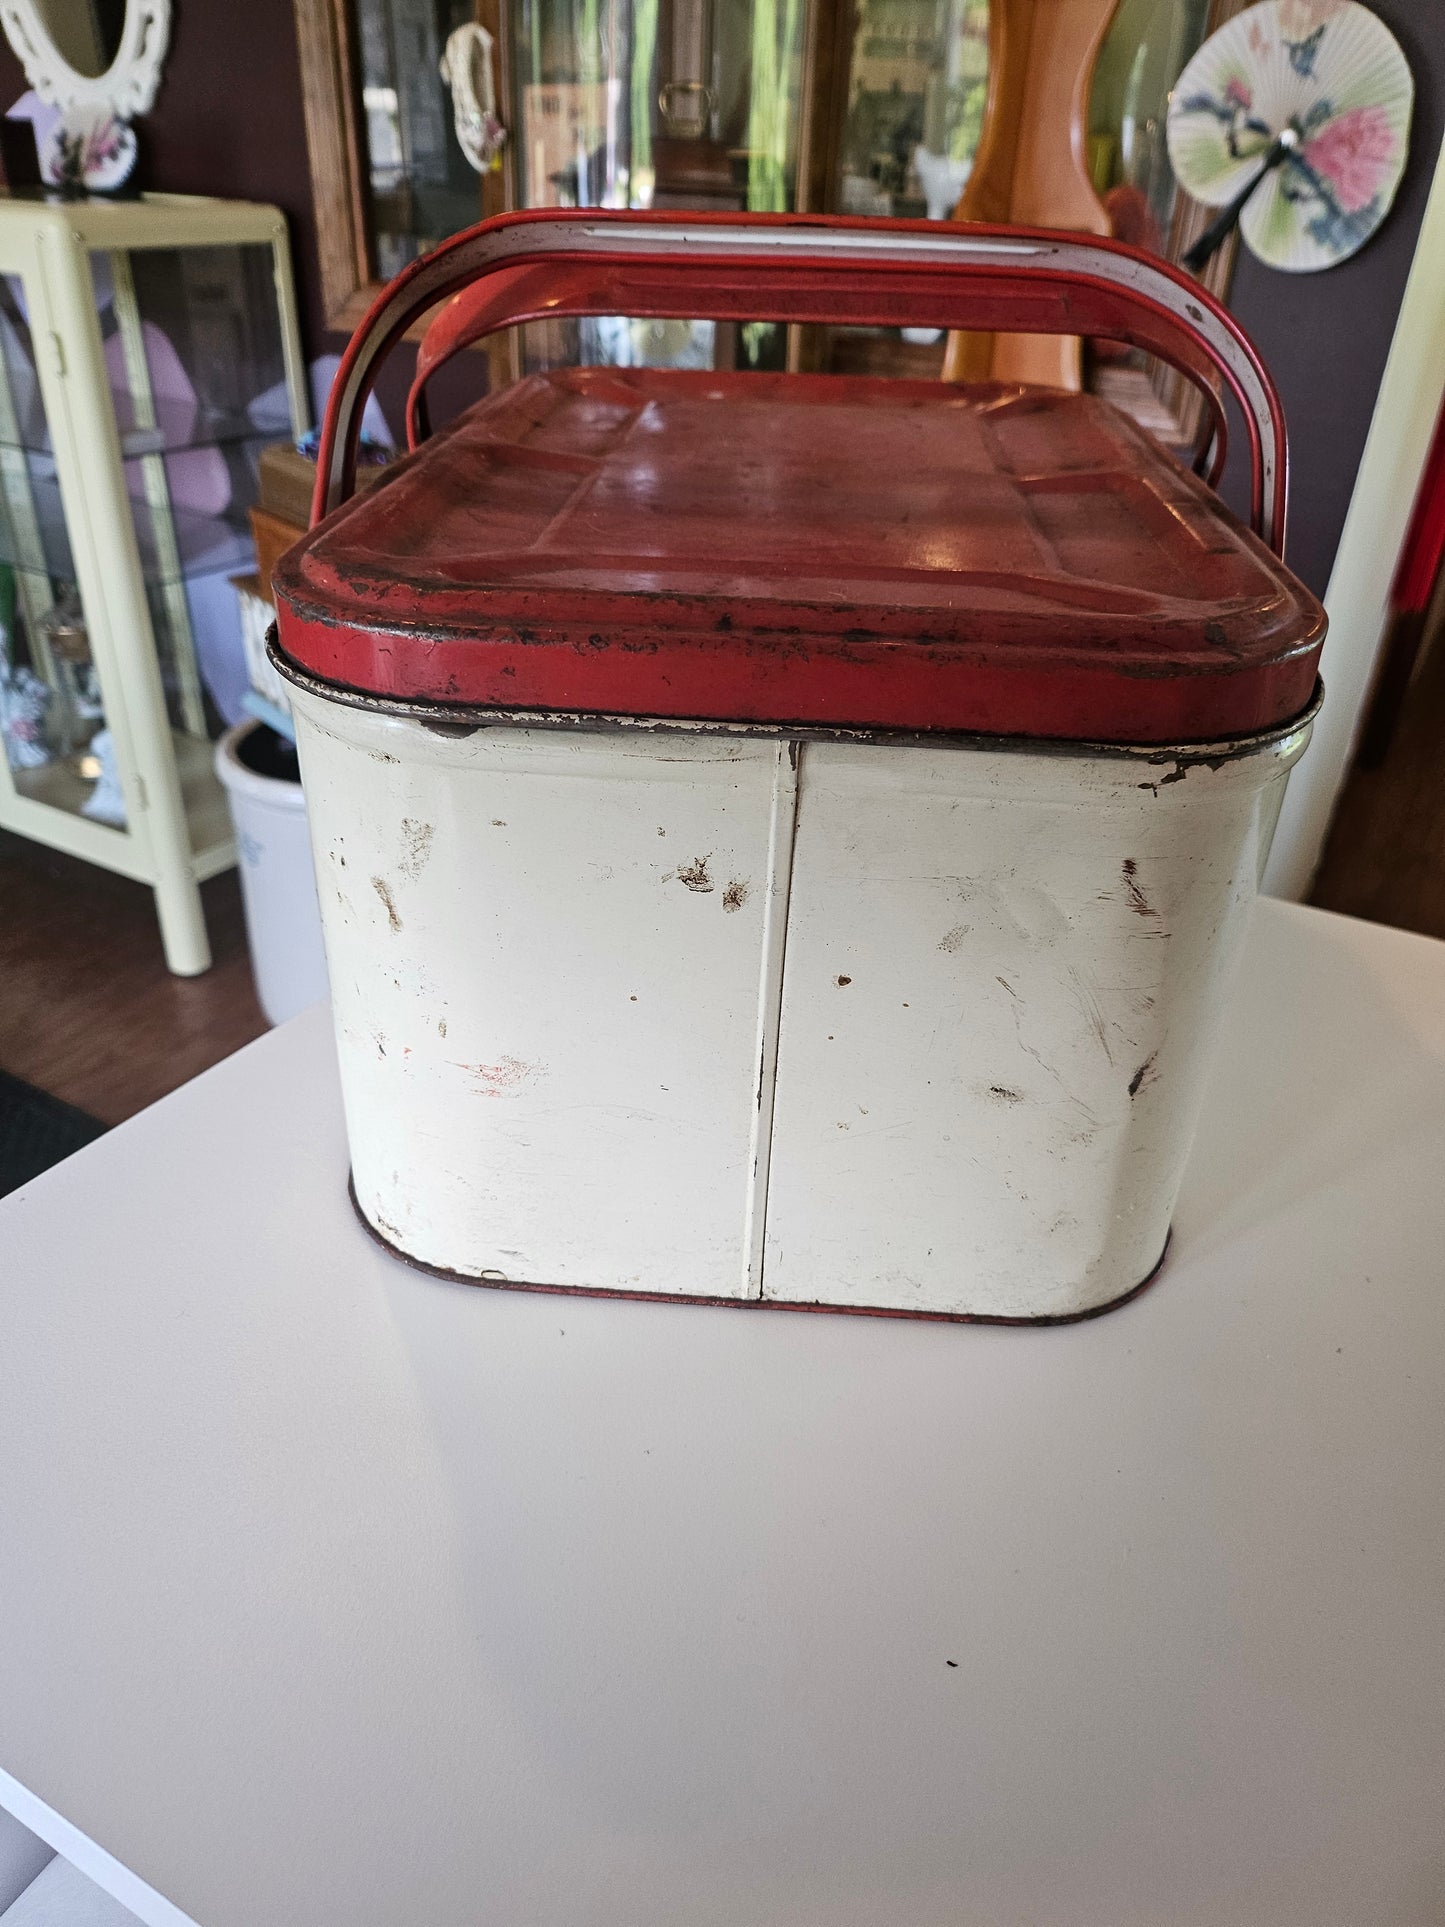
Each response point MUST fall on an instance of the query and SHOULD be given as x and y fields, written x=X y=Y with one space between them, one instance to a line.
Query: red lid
x=805 y=549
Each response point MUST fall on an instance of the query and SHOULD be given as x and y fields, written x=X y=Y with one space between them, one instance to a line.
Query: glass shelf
x=180 y=425
x=204 y=544
x=60 y=785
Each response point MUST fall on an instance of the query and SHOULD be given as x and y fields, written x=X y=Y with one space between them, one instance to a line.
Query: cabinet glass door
x=916 y=92
x=418 y=183
x=658 y=104
x=192 y=346
x=52 y=709
x=916 y=89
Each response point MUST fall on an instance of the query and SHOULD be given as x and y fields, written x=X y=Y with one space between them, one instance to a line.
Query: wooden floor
x=1385 y=859
x=88 y=1010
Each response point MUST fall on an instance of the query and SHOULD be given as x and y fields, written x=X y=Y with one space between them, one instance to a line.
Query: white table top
x=331 y=1593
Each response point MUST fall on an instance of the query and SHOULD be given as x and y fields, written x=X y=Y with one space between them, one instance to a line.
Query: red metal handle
x=806 y=268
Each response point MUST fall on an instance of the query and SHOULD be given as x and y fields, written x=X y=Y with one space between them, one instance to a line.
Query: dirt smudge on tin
x=1003 y=1094
x=1093 y=1013
x=416 y=840
x=1137 y=901
x=1145 y=1074
x=507 y=1074
x=441 y=1026
x=694 y=875
x=842 y=982
x=951 y=939
x=736 y=894
x=383 y=890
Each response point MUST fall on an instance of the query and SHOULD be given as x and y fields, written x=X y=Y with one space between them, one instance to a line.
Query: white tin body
x=886 y=1025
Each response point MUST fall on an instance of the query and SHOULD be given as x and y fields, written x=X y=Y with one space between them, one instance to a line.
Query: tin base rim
x=451 y=1277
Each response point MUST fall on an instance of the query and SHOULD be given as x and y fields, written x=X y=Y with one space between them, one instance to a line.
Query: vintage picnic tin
x=785 y=839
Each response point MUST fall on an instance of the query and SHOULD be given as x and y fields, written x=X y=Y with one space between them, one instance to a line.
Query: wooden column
x=1032 y=164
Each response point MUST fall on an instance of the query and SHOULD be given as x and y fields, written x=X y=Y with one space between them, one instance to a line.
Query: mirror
x=90 y=56
x=86 y=33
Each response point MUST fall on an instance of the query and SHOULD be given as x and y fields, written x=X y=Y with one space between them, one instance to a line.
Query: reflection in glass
x=1145 y=51
x=422 y=188
x=917 y=89
x=916 y=94
x=666 y=104
x=1142 y=57
x=192 y=347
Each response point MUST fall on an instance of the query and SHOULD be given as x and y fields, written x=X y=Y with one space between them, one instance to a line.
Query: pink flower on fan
x=1237 y=94
x=1354 y=152
x=1299 y=18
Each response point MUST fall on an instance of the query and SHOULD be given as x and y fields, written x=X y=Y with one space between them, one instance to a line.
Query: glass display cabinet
x=148 y=352
x=867 y=107
x=758 y=105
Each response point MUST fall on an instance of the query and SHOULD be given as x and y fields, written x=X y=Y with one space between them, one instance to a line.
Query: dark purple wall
x=228 y=121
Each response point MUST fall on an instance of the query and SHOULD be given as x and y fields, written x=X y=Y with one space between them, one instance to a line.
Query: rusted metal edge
x=751 y=1304
x=460 y=720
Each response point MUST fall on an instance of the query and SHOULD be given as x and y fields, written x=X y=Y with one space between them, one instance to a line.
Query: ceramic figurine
x=24 y=699
x=106 y=802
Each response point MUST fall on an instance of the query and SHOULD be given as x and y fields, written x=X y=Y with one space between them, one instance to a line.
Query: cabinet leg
x=183 y=925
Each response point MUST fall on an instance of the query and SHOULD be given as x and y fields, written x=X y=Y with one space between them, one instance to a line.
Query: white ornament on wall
x=466 y=67
x=127 y=87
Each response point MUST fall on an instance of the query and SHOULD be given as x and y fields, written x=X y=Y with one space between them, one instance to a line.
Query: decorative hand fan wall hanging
x=1293 y=119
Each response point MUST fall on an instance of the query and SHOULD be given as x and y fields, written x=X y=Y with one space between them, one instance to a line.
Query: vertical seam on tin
x=782 y=836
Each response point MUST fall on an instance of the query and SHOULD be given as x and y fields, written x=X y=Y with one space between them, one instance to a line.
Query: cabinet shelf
x=204 y=544
x=180 y=425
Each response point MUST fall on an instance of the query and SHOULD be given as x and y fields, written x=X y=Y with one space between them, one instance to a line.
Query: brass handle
x=692 y=90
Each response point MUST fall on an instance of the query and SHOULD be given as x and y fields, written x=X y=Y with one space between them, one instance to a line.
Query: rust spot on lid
x=843 y=982
x=695 y=875
x=736 y=894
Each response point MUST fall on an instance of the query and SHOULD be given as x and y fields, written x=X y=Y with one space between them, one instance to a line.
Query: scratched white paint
x=547 y=1012
x=1004 y=972
x=881 y=1026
